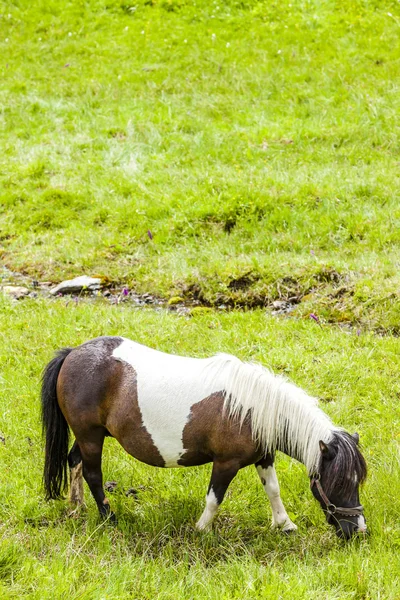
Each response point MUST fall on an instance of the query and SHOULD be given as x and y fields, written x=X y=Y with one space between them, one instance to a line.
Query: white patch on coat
x=361 y=524
x=282 y=415
x=209 y=512
x=269 y=480
x=167 y=388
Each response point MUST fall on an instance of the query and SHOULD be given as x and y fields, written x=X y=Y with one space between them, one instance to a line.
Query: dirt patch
x=329 y=295
x=249 y=300
x=194 y=294
x=328 y=275
x=342 y=291
x=243 y=282
x=385 y=331
x=291 y=290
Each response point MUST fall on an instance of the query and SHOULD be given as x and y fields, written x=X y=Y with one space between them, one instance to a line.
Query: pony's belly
x=171 y=449
x=171 y=453
x=145 y=457
x=186 y=458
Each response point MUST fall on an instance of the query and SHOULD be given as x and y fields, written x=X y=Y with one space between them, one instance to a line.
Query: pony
x=173 y=411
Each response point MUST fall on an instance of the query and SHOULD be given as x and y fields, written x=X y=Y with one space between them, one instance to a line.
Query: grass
x=234 y=153
x=155 y=551
x=245 y=136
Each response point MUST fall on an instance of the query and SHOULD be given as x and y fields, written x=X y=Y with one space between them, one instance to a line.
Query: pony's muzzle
x=347 y=528
x=361 y=525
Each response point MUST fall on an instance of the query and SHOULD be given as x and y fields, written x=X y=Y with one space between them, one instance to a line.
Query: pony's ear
x=326 y=450
x=356 y=438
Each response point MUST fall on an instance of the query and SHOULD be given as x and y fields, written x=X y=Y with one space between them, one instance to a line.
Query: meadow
x=228 y=156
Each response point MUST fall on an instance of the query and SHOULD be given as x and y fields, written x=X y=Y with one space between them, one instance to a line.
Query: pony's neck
x=283 y=417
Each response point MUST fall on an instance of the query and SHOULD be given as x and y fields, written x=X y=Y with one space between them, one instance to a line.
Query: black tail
x=55 y=429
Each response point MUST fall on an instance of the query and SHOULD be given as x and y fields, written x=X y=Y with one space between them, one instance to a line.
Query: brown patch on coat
x=210 y=434
x=97 y=392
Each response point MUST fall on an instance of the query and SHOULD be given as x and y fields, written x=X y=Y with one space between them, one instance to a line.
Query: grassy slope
x=121 y=118
x=189 y=139
x=155 y=552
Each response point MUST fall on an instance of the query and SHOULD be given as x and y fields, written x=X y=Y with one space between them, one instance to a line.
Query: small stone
x=110 y=486
x=79 y=284
x=131 y=492
x=16 y=292
x=148 y=298
x=279 y=304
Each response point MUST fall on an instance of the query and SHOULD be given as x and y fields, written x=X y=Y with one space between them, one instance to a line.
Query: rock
x=279 y=304
x=15 y=292
x=281 y=307
x=110 y=486
x=78 y=284
x=148 y=298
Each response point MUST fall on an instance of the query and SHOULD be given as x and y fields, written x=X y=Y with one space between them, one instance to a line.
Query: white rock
x=279 y=304
x=77 y=285
x=15 y=291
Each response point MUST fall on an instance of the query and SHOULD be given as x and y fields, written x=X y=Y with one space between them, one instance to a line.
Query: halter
x=331 y=509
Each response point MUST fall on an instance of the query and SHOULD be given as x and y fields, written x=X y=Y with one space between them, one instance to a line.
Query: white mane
x=282 y=416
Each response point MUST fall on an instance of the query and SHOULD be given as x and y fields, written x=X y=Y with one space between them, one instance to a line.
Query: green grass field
x=234 y=154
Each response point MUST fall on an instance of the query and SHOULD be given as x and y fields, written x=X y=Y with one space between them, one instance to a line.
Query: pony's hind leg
x=91 y=448
x=75 y=476
x=221 y=476
x=269 y=480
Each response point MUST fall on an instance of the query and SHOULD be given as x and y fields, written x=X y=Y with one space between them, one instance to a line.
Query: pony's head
x=341 y=470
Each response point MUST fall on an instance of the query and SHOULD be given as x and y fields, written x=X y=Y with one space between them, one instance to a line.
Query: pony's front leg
x=221 y=476
x=269 y=480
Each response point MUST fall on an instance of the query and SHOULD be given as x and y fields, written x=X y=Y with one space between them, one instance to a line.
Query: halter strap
x=354 y=511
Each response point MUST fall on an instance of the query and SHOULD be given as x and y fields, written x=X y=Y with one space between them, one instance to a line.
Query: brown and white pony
x=174 y=411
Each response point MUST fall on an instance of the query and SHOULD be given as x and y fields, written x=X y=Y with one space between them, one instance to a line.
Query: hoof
x=109 y=517
x=285 y=527
x=290 y=530
x=201 y=526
